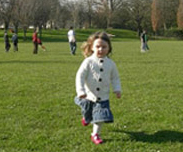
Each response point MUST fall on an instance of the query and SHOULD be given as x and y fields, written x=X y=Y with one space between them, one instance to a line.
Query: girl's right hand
x=83 y=96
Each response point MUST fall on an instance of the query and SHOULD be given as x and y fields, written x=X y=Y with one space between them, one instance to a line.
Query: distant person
x=93 y=80
x=144 y=40
x=15 y=41
x=72 y=40
x=35 y=43
x=7 y=42
x=41 y=44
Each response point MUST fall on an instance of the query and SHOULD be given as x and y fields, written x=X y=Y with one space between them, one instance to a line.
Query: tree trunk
x=6 y=25
x=40 y=31
x=25 y=32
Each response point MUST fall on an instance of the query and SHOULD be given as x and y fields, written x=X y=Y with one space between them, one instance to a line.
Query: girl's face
x=100 y=48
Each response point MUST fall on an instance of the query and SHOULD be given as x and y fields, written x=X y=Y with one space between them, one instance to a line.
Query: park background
x=37 y=111
x=158 y=17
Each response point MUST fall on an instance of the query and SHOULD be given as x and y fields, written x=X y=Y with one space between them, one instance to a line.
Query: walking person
x=72 y=40
x=144 y=40
x=93 y=79
x=35 y=43
x=7 y=42
x=15 y=41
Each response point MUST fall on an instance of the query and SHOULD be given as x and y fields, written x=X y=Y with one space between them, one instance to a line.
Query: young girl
x=93 y=80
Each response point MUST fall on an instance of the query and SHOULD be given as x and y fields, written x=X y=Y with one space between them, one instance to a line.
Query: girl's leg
x=95 y=134
x=86 y=109
x=96 y=128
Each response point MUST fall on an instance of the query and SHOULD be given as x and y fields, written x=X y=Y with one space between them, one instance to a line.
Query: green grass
x=81 y=35
x=38 y=114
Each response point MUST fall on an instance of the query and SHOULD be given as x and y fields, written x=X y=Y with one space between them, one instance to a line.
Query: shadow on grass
x=158 y=137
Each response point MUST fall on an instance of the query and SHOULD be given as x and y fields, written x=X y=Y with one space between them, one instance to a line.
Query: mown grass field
x=38 y=114
x=60 y=35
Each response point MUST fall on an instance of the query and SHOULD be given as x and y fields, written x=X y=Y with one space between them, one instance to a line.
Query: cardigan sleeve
x=80 y=78
x=115 y=80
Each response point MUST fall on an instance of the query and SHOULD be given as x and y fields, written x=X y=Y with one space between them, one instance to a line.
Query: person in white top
x=93 y=79
x=72 y=40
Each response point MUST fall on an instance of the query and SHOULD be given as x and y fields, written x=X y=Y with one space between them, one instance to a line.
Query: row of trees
x=128 y=14
x=166 y=14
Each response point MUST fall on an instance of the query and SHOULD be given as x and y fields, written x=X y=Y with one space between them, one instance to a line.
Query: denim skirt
x=94 y=112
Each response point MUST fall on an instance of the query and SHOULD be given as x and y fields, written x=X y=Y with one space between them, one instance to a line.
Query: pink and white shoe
x=96 y=139
x=84 y=122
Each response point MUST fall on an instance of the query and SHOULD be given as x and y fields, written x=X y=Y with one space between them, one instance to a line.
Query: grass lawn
x=60 y=35
x=38 y=114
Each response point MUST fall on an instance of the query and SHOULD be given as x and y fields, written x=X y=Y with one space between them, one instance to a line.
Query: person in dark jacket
x=15 y=41
x=144 y=39
x=7 y=42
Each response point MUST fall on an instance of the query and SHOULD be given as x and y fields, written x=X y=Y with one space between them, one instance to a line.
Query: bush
x=174 y=33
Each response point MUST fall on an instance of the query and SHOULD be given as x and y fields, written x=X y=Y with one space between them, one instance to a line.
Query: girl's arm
x=116 y=84
x=80 y=80
x=118 y=94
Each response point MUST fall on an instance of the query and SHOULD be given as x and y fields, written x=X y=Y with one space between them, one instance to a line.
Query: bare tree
x=64 y=16
x=55 y=13
x=77 y=13
x=140 y=10
x=16 y=13
x=6 y=7
x=88 y=12
x=168 y=10
x=129 y=14
x=121 y=18
x=107 y=9
x=40 y=15
x=26 y=8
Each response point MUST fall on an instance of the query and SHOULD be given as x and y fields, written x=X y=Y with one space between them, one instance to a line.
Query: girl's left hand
x=118 y=94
